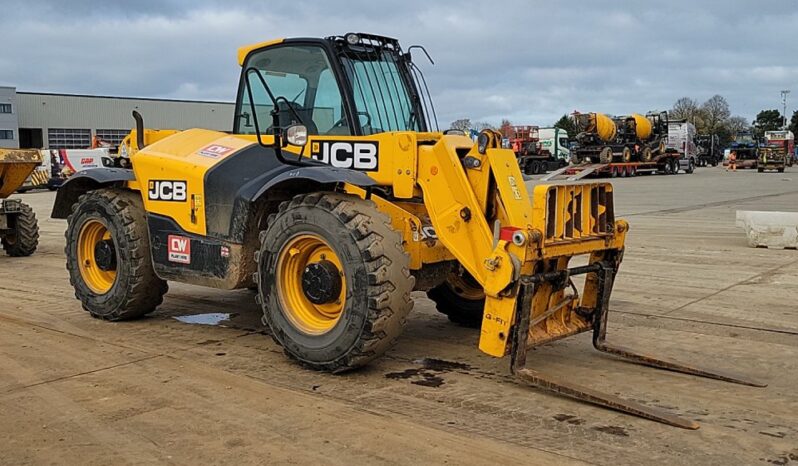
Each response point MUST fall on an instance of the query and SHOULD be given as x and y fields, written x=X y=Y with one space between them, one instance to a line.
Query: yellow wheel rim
x=464 y=286
x=98 y=280
x=298 y=253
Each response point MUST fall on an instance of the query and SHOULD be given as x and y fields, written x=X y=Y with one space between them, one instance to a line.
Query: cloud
x=529 y=61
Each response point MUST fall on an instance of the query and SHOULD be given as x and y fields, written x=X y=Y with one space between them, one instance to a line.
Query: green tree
x=568 y=125
x=794 y=122
x=767 y=120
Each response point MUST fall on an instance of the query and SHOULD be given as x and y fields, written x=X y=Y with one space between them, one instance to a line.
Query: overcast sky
x=529 y=61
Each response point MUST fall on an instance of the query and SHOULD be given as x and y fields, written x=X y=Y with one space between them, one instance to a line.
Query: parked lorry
x=784 y=142
x=745 y=148
x=681 y=140
x=532 y=158
x=19 y=231
x=709 y=150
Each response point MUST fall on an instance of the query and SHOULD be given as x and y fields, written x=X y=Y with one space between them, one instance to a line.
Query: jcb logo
x=166 y=190
x=362 y=156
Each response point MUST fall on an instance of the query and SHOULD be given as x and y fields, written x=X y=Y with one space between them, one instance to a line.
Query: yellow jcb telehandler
x=336 y=197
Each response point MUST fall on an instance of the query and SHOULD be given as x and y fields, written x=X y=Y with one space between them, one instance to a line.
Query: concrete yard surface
x=76 y=390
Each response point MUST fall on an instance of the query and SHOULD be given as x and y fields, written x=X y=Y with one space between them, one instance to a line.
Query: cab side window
x=304 y=85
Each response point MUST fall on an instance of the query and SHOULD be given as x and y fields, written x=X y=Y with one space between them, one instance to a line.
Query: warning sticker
x=215 y=151
x=179 y=249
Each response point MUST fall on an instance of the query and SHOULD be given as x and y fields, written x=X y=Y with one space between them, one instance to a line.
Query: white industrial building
x=66 y=121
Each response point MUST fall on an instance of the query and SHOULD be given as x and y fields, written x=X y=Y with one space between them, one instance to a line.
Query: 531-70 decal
x=360 y=155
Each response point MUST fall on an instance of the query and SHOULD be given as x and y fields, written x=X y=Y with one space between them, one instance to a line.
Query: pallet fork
x=604 y=273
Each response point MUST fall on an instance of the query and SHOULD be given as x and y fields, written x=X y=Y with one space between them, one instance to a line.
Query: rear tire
x=131 y=289
x=690 y=168
x=364 y=319
x=460 y=298
x=25 y=239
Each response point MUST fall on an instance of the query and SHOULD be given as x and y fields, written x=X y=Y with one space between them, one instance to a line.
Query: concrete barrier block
x=777 y=230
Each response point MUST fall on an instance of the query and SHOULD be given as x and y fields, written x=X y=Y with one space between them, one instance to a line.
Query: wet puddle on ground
x=428 y=374
x=212 y=318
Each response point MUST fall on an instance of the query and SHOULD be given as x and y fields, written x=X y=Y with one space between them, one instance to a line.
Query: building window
x=6 y=134
x=5 y=108
x=68 y=138
x=112 y=136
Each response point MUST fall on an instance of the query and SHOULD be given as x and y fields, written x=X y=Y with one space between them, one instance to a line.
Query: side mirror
x=296 y=135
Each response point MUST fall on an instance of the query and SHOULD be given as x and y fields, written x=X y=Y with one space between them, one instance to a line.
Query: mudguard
x=319 y=174
x=84 y=181
x=279 y=183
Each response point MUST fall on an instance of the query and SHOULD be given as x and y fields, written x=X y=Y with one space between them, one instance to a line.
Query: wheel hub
x=105 y=255
x=321 y=282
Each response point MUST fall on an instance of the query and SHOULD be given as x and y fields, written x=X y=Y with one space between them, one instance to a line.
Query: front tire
x=25 y=237
x=108 y=256
x=333 y=281
x=605 y=156
x=626 y=155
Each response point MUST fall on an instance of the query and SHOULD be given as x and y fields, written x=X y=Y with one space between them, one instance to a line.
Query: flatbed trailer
x=665 y=164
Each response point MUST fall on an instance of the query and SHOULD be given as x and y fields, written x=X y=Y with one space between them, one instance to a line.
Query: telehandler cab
x=336 y=198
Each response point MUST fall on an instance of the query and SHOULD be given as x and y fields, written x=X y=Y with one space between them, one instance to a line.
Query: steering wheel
x=368 y=117
x=340 y=123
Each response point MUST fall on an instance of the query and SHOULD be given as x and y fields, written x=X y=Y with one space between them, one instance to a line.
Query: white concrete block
x=777 y=230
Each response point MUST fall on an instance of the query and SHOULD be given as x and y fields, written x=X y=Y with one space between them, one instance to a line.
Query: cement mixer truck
x=595 y=138
x=642 y=137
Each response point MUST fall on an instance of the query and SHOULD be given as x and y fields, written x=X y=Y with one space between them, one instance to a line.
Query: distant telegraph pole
x=784 y=105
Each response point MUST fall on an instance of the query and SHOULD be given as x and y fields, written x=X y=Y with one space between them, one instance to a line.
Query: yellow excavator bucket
x=15 y=166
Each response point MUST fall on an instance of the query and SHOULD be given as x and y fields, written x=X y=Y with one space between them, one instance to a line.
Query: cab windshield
x=381 y=96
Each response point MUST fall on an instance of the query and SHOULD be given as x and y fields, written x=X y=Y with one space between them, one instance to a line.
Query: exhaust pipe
x=139 y=129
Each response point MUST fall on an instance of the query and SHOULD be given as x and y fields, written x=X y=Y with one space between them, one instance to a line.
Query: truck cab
x=681 y=139
x=555 y=140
